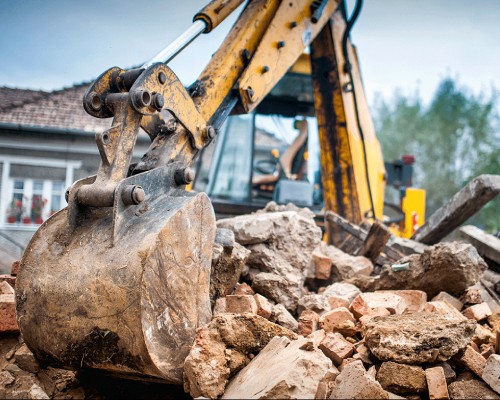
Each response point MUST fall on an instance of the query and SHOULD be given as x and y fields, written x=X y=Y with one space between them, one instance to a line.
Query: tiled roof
x=59 y=109
x=11 y=97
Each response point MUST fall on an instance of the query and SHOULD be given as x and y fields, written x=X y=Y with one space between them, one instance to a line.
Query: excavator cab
x=270 y=154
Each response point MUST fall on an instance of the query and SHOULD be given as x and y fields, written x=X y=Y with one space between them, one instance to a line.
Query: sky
x=406 y=45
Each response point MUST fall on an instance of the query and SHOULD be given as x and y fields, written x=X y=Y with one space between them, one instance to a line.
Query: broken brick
x=477 y=311
x=415 y=299
x=322 y=265
x=243 y=288
x=336 y=348
x=264 y=307
x=471 y=359
x=436 y=383
x=15 y=268
x=8 y=322
x=441 y=296
x=239 y=304
x=338 y=320
x=364 y=303
x=308 y=322
x=491 y=372
x=336 y=302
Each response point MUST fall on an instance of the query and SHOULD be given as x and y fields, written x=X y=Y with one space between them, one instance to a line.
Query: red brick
x=240 y=304
x=264 y=307
x=308 y=322
x=8 y=322
x=450 y=299
x=336 y=348
x=444 y=308
x=5 y=288
x=436 y=383
x=220 y=306
x=11 y=280
x=471 y=359
x=364 y=303
x=317 y=337
x=242 y=289
x=338 y=320
x=336 y=302
x=477 y=311
x=322 y=265
x=375 y=312
x=15 y=268
x=415 y=299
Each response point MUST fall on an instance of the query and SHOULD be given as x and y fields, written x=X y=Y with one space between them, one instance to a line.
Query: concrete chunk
x=345 y=266
x=491 y=372
x=451 y=267
x=26 y=360
x=471 y=389
x=401 y=378
x=285 y=290
x=281 y=316
x=283 y=369
x=208 y=365
x=354 y=382
x=344 y=290
x=315 y=302
x=417 y=338
x=227 y=266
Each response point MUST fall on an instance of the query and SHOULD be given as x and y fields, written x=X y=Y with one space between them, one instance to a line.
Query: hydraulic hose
x=348 y=69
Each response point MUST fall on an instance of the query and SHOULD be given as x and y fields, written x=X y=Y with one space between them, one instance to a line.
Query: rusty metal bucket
x=123 y=288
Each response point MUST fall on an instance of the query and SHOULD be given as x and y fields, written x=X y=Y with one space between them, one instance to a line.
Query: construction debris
x=275 y=372
x=488 y=246
x=451 y=267
x=296 y=318
x=463 y=205
x=417 y=338
x=223 y=347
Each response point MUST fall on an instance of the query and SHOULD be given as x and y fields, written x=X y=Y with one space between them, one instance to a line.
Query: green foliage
x=454 y=138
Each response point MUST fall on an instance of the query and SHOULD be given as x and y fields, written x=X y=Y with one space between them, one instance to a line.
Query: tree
x=454 y=138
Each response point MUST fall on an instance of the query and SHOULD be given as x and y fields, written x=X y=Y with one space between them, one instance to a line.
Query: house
x=46 y=143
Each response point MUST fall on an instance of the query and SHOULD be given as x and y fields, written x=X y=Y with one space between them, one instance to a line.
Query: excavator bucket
x=125 y=287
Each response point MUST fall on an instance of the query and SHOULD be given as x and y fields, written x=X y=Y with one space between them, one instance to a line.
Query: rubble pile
x=296 y=318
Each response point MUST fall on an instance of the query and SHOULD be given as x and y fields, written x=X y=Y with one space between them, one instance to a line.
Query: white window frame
x=7 y=184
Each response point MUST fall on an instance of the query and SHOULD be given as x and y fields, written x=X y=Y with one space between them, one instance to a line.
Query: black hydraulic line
x=348 y=69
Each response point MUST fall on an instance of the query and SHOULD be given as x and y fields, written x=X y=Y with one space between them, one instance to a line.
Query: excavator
x=118 y=281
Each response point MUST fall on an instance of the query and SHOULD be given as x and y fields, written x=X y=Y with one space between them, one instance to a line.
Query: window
x=16 y=210
x=33 y=201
